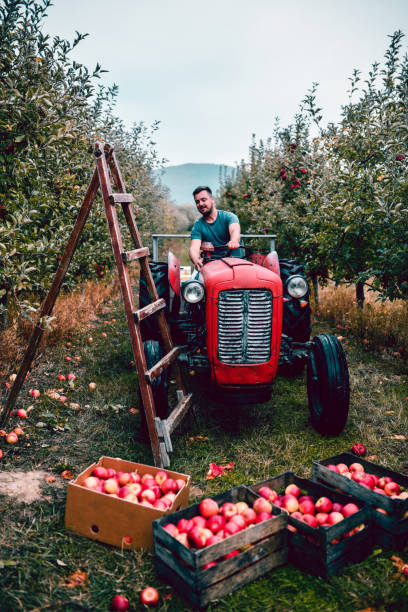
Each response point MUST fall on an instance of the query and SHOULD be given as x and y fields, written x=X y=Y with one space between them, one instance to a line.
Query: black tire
x=329 y=395
x=153 y=353
x=296 y=320
x=159 y=269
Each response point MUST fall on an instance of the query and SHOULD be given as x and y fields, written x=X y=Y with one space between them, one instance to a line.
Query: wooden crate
x=324 y=551
x=390 y=531
x=182 y=566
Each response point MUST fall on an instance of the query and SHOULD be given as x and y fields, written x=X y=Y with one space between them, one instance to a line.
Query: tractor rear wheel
x=328 y=387
x=153 y=353
x=159 y=269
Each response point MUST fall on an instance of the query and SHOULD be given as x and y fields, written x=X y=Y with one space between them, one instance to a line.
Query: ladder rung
x=148 y=310
x=178 y=412
x=161 y=365
x=135 y=254
x=121 y=198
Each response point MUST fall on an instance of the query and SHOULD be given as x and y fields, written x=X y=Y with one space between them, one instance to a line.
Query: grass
x=38 y=554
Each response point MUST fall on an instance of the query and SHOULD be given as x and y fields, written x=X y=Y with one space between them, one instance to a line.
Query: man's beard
x=207 y=213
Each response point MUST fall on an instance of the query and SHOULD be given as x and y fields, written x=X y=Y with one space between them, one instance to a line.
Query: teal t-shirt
x=217 y=232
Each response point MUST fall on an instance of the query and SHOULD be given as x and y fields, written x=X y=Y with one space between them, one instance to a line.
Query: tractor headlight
x=193 y=291
x=296 y=286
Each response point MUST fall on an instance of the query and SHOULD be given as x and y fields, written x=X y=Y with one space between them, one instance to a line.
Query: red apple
x=197 y=536
x=35 y=393
x=249 y=515
x=291 y=489
x=349 y=509
x=92 y=385
x=323 y=504
x=100 y=472
x=169 y=486
x=356 y=467
x=171 y=529
x=110 y=472
x=61 y=377
x=148 y=483
x=262 y=505
x=135 y=487
x=183 y=538
x=213 y=539
x=359 y=449
x=333 y=468
x=12 y=438
x=180 y=483
x=321 y=518
x=233 y=553
x=148 y=495
x=263 y=516
x=134 y=477
x=217 y=522
x=239 y=520
x=342 y=468
x=111 y=485
x=119 y=603
x=268 y=493
x=369 y=481
x=383 y=481
x=208 y=507
x=307 y=506
x=231 y=528
x=199 y=521
x=124 y=479
x=378 y=490
x=21 y=413
x=297 y=515
x=209 y=564
x=124 y=492
x=228 y=509
x=392 y=488
x=149 y=596
x=304 y=497
x=91 y=482
x=160 y=505
x=337 y=507
x=160 y=477
x=358 y=477
x=241 y=506
x=310 y=520
x=289 y=503
x=334 y=517
x=184 y=525
x=71 y=376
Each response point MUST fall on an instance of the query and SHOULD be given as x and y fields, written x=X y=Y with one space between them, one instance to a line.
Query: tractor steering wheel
x=223 y=251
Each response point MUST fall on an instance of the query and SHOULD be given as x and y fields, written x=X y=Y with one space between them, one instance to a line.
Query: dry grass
x=378 y=324
x=72 y=311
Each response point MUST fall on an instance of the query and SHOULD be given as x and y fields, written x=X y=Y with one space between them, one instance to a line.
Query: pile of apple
x=314 y=512
x=384 y=485
x=158 y=491
x=215 y=523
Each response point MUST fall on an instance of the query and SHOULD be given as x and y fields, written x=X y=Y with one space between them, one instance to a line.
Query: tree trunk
x=3 y=319
x=316 y=290
x=360 y=294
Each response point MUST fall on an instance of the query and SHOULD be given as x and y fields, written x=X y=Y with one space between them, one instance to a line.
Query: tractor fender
x=174 y=273
x=271 y=262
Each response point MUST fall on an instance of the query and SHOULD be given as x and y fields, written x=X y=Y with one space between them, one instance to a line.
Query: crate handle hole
x=178 y=508
x=94 y=528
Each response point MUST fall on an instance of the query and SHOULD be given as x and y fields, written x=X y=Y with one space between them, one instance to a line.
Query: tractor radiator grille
x=244 y=326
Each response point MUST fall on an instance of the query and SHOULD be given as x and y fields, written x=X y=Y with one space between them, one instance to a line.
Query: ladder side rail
x=51 y=297
x=134 y=232
x=124 y=280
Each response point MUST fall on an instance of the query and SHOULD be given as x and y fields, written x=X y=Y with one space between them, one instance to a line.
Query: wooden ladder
x=160 y=430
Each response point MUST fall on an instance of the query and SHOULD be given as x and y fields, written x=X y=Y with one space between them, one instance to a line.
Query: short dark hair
x=201 y=188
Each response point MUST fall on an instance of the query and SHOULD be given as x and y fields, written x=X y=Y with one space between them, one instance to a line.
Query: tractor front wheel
x=154 y=352
x=328 y=387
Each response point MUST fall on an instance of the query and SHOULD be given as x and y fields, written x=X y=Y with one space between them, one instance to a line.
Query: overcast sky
x=215 y=71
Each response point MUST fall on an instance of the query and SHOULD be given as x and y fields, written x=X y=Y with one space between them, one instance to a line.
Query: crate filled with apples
x=216 y=546
x=115 y=501
x=384 y=490
x=326 y=529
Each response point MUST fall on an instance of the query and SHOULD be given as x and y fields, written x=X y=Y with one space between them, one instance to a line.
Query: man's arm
x=195 y=247
x=235 y=236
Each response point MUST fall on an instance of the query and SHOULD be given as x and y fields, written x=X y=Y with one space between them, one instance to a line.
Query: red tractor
x=242 y=322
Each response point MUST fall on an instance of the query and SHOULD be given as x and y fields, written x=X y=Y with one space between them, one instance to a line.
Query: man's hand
x=198 y=264
x=233 y=244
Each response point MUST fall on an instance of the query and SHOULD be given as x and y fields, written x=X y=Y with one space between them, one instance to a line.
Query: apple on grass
x=12 y=438
x=119 y=603
x=149 y=596
x=21 y=413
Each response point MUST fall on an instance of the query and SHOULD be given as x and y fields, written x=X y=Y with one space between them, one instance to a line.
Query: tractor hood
x=237 y=274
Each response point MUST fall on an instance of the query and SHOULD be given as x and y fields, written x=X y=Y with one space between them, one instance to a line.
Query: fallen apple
x=359 y=449
x=149 y=596
x=119 y=603
x=12 y=438
x=92 y=385
x=21 y=413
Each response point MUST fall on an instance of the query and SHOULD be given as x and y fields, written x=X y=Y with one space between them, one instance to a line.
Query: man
x=219 y=227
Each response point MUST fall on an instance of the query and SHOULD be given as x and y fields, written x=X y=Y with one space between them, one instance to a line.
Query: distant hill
x=182 y=179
